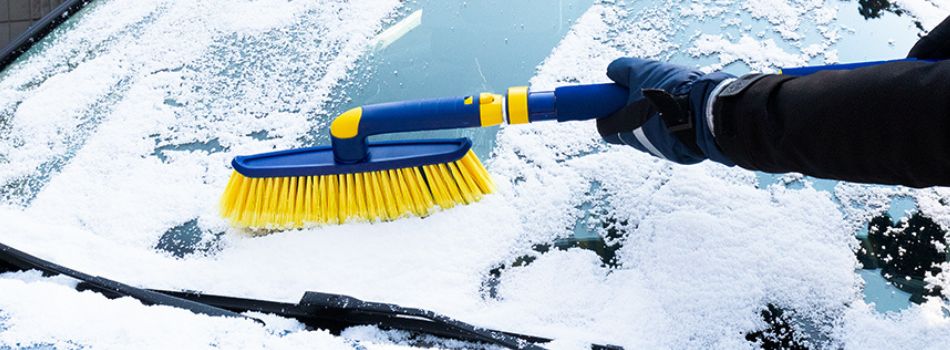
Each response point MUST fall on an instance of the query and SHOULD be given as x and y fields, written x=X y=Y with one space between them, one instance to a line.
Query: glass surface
x=459 y=48
x=437 y=48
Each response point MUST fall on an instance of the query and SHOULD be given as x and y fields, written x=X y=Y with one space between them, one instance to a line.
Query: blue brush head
x=384 y=155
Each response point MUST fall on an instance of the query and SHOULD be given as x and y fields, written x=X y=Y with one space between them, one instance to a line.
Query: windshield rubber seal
x=38 y=30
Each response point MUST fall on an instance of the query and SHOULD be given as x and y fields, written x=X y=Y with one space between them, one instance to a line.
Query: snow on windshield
x=122 y=127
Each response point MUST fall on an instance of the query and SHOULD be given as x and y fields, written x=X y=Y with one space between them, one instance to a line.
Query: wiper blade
x=15 y=260
x=336 y=312
x=332 y=312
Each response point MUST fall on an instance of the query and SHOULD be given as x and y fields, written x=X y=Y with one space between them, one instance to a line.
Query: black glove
x=666 y=111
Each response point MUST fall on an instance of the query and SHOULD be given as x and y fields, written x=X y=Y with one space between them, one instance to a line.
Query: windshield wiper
x=15 y=260
x=332 y=312
x=335 y=312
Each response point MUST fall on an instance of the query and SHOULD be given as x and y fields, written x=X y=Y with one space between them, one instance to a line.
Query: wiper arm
x=332 y=312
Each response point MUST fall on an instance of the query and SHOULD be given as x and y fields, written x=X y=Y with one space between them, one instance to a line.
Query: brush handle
x=565 y=103
x=349 y=131
x=593 y=101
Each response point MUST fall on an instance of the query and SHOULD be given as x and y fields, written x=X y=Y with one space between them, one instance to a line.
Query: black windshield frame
x=39 y=30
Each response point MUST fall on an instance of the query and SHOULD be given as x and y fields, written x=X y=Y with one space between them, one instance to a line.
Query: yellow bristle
x=435 y=185
x=263 y=197
x=389 y=195
x=479 y=174
x=360 y=195
x=371 y=206
x=377 y=194
x=323 y=199
x=346 y=196
x=414 y=196
x=263 y=203
x=424 y=202
x=308 y=208
x=262 y=200
x=352 y=210
x=397 y=193
x=283 y=191
x=230 y=194
x=332 y=212
x=469 y=181
x=403 y=200
x=313 y=187
x=243 y=215
x=238 y=198
x=462 y=185
x=427 y=200
x=450 y=191
x=389 y=203
x=290 y=208
x=273 y=192
x=257 y=213
x=300 y=201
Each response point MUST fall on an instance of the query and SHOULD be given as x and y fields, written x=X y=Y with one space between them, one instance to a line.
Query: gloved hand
x=666 y=114
x=933 y=46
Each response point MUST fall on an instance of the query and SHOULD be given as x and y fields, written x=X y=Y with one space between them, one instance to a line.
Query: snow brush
x=353 y=179
x=358 y=180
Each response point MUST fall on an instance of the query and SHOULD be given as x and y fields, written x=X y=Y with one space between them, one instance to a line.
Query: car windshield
x=119 y=129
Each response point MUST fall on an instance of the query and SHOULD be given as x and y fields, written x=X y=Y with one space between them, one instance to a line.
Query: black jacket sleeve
x=935 y=45
x=886 y=124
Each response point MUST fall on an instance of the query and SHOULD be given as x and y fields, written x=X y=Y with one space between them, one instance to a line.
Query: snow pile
x=753 y=46
x=706 y=249
x=169 y=96
x=165 y=103
x=928 y=12
x=99 y=124
x=760 y=55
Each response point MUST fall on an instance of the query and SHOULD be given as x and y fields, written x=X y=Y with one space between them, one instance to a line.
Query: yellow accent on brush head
x=491 y=109
x=468 y=100
x=301 y=201
x=347 y=125
x=518 y=105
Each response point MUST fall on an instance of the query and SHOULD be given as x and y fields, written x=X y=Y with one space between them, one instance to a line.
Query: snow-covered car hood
x=120 y=126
